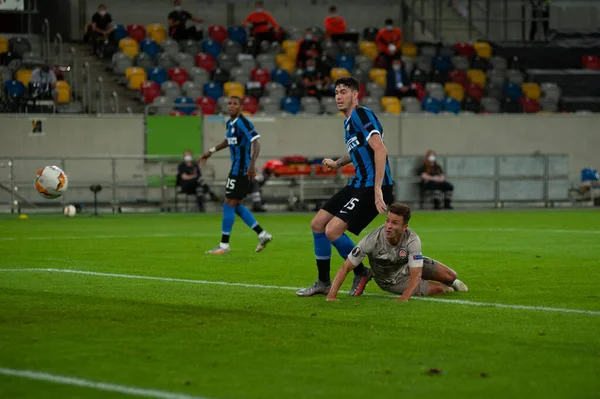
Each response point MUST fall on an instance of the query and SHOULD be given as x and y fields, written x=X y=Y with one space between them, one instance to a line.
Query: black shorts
x=237 y=187
x=356 y=206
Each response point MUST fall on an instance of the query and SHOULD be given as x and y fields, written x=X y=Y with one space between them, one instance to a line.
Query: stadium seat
x=266 y=61
x=213 y=90
x=170 y=90
x=461 y=62
x=184 y=60
x=496 y=76
x=418 y=76
x=237 y=34
x=288 y=46
x=435 y=90
x=175 y=112
x=432 y=105
x=409 y=50
x=198 y=75
x=513 y=91
x=64 y=92
x=478 y=62
x=374 y=90
x=589 y=62
x=281 y=76
x=135 y=77
x=517 y=63
x=178 y=75
x=549 y=105
x=364 y=63
x=166 y=60
x=551 y=91
x=511 y=106
x=465 y=49
x=451 y=105
x=476 y=76
x=205 y=61
x=191 y=47
x=269 y=105
x=3 y=45
x=120 y=63
x=490 y=105
x=192 y=89
x=532 y=91
x=232 y=48
x=455 y=90
x=162 y=105
x=515 y=76
x=19 y=45
x=330 y=48
x=143 y=60
x=240 y=75
x=149 y=90
x=290 y=105
x=170 y=46
x=411 y=105
x=226 y=62
x=420 y=89
x=474 y=91
x=446 y=51
x=378 y=75
x=369 y=49
x=483 y=49
x=529 y=105
x=424 y=63
x=217 y=33
x=234 y=89
x=128 y=41
x=310 y=105
x=438 y=76
x=428 y=50
x=150 y=47
x=345 y=61
x=158 y=75
x=499 y=63
x=220 y=75
x=23 y=76
x=136 y=32
x=442 y=63
x=211 y=47
x=185 y=105
x=261 y=75
x=275 y=90
x=120 y=32
x=329 y=106
x=130 y=47
x=337 y=73
x=472 y=105
x=208 y=105
x=391 y=105
x=250 y=105
x=156 y=32
x=14 y=89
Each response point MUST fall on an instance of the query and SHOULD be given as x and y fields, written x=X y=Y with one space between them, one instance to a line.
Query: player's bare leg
x=447 y=276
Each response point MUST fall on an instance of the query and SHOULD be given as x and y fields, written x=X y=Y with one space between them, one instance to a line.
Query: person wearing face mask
x=263 y=25
x=434 y=179
x=315 y=81
x=334 y=24
x=397 y=82
x=308 y=48
x=101 y=29
x=42 y=84
x=189 y=180
x=389 y=41
x=178 y=19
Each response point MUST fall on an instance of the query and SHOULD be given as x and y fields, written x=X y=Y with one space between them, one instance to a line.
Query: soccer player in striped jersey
x=357 y=204
x=242 y=140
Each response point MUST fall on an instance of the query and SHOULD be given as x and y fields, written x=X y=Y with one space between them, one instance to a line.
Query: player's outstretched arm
x=218 y=147
x=380 y=152
x=340 y=276
x=330 y=164
x=415 y=279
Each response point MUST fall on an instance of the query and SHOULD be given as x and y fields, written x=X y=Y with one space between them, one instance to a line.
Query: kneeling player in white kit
x=394 y=253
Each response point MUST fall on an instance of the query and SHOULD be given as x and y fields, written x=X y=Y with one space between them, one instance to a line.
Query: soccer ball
x=51 y=182
x=70 y=211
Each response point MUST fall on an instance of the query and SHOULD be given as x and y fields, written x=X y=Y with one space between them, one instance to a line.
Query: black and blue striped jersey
x=359 y=128
x=240 y=134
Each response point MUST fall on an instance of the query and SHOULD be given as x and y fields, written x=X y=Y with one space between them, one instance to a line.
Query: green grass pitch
x=176 y=330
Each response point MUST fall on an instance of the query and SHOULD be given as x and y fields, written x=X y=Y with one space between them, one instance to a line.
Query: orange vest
x=386 y=37
x=260 y=21
x=334 y=24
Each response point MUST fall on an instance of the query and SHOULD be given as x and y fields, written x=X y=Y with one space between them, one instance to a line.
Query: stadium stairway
x=454 y=27
x=98 y=68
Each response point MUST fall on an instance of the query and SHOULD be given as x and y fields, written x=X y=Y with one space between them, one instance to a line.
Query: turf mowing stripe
x=101 y=386
x=278 y=287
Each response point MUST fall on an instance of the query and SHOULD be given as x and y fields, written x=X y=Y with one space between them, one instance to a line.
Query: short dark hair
x=389 y=21
x=401 y=210
x=332 y=8
x=349 y=81
x=236 y=98
x=101 y=6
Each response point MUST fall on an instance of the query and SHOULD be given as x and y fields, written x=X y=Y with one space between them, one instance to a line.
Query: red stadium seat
x=250 y=105
x=178 y=75
x=176 y=113
x=205 y=61
x=474 y=91
x=529 y=105
x=217 y=33
x=149 y=91
x=465 y=49
x=136 y=32
x=207 y=105
x=362 y=91
x=419 y=89
x=591 y=62
x=261 y=75
x=196 y=113
x=459 y=76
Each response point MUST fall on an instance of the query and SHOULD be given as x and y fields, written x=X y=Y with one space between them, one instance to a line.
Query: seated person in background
x=189 y=181
x=389 y=40
x=263 y=23
x=433 y=178
x=334 y=24
x=397 y=82
x=43 y=83
x=308 y=48
x=314 y=81
x=178 y=19
x=101 y=27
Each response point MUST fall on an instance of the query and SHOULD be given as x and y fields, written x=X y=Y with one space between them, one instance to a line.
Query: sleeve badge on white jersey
x=356 y=251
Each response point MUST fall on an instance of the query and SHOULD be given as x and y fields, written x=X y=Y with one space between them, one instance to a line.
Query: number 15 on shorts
x=349 y=205
x=230 y=185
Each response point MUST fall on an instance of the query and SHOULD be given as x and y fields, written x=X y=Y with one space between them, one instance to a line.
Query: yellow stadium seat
x=409 y=50
x=368 y=49
x=378 y=75
x=64 y=92
x=288 y=65
x=23 y=76
x=483 y=49
x=280 y=59
x=131 y=50
x=476 y=76
x=3 y=45
x=455 y=90
x=233 y=89
x=289 y=45
x=126 y=42
x=532 y=91
x=246 y=113
x=337 y=73
x=391 y=105
x=545 y=112
x=157 y=32
x=136 y=77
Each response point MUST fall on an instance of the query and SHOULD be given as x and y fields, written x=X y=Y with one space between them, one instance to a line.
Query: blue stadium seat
x=442 y=63
x=120 y=32
x=185 y=104
x=237 y=34
x=451 y=105
x=290 y=105
x=150 y=47
x=281 y=76
x=513 y=91
x=158 y=75
x=345 y=61
x=14 y=89
x=213 y=90
x=211 y=47
x=432 y=105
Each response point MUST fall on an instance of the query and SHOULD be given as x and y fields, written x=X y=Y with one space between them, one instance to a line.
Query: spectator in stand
x=389 y=41
x=308 y=48
x=334 y=24
x=189 y=181
x=433 y=178
x=42 y=84
x=397 y=82
x=263 y=23
x=540 y=12
x=101 y=28
x=178 y=19
x=315 y=82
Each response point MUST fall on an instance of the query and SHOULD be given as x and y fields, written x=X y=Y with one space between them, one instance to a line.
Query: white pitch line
x=101 y=386
x=278 y=287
